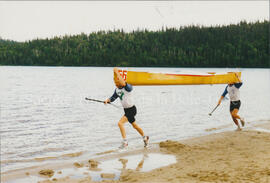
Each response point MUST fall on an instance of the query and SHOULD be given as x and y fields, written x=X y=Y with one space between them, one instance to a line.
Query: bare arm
x=239 y=80
x=119 y=77
x=219 y=101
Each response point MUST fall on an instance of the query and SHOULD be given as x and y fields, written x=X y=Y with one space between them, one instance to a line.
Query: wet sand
x=234 y=156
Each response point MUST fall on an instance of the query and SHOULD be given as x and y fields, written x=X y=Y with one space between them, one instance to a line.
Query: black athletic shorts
x=235 y=105
x=130 y=113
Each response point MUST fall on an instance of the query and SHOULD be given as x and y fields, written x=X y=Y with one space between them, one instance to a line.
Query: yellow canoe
x=147 y=78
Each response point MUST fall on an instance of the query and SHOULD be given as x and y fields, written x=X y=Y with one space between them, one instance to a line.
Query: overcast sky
x=28 y=20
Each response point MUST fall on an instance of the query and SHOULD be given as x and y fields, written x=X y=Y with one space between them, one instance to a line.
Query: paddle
x=210 y=114
x=94 y=100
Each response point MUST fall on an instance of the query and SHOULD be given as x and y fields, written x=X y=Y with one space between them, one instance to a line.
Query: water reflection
x=107 y=170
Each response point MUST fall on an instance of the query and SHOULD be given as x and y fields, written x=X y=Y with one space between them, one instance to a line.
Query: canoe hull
x=146 y=78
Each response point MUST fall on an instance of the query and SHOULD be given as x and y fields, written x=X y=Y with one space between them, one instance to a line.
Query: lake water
x=44 y=114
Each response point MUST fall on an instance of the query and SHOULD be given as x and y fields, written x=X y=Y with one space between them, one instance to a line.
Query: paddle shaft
x=213 y=110
x=94 y=100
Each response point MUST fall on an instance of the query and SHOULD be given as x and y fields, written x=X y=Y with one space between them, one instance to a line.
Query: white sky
x=26 y=20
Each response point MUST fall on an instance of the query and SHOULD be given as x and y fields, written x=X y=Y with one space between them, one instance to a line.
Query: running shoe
x=123 y=145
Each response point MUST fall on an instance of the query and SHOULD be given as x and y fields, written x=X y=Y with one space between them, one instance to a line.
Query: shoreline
x=230 y=156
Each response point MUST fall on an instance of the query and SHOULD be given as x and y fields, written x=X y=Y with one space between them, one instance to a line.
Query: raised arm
x=239 y=83
x=118 y=77
x=239 y=80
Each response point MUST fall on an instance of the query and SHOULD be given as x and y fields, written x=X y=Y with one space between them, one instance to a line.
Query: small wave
x=71 y=155
x=105 y=152
x=9 y=131
x=15 y=161
x=24 y=120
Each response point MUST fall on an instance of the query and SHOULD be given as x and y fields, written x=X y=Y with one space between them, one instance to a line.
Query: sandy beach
x=234 y=156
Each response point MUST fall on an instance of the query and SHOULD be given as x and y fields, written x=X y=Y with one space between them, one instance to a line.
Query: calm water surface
x=44 y=114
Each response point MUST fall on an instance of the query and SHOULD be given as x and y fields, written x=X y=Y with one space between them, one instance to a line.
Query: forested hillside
x=241 y=45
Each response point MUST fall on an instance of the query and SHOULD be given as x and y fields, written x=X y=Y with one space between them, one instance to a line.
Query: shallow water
x=111 y=168
x=44 y=114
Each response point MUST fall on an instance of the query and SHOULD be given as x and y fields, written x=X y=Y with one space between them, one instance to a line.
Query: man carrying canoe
x=235 y=103
x=123 y=91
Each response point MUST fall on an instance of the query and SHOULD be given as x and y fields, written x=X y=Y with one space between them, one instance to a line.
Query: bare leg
x=236 y=116
x=235 y=120
x=136 y=127
x=237 y=124
x=121 y=123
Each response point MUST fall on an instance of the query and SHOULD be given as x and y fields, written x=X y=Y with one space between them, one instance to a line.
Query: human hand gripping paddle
x=94 y=100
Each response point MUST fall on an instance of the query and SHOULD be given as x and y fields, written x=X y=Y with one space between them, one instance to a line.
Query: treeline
x=241 y=45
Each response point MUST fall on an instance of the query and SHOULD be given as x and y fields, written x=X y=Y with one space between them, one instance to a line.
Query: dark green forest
x=237 y=45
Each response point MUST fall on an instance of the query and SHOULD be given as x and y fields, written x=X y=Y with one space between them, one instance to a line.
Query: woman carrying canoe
x=235 y=103
x=123 y=91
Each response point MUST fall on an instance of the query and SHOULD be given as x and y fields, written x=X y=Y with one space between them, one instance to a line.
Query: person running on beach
x=235 y=103
x=123 y=91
